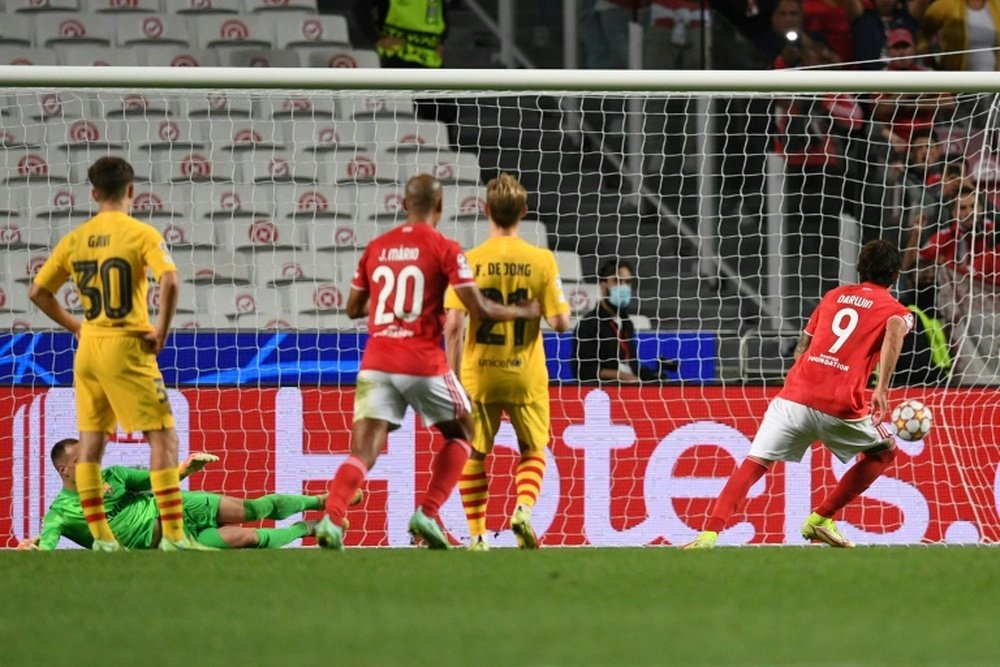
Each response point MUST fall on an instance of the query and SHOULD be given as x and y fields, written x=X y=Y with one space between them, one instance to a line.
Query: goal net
x=735 y=212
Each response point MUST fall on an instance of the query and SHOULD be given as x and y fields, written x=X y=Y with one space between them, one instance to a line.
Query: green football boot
x=426 y=528
x=186 y=544
x=520 y=523
x=821 y=529
x=329 y=535
x=479 y=543
x=706 y=540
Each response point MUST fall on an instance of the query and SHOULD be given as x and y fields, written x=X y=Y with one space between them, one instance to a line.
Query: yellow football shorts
x=117 y=380
x=530 y=422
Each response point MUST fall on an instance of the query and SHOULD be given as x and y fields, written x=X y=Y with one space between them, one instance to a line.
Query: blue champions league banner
x=301 y=358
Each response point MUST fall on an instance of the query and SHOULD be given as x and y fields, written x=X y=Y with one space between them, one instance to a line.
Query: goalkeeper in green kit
x=210 y=518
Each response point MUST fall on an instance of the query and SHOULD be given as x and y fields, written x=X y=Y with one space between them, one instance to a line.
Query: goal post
x=737 y=198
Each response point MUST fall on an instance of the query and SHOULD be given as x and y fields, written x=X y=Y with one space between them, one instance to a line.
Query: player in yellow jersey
x=503 y=364
x=115 y=373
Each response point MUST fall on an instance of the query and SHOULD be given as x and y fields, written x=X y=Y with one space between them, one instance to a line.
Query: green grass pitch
x=654 y=606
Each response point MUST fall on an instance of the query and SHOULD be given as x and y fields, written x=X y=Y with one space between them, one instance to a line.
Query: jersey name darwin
x=855 y=300
x=503 y=269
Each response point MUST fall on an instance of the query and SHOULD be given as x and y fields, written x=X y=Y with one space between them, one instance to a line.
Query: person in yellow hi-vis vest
x=411 y=32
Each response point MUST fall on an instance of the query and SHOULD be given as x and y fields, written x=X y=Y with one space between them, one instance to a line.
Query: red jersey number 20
x=400 y=295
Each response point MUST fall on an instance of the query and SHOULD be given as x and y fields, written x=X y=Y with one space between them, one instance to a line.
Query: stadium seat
x=120 y=7
x=312 y=36
x=186 y=299
x=280 y=7
x=82 y=134
x=240 y=306
x=95 y=56
x=154 y=55
x=50 y=105
x=182 y=232
x=34 y=166
x=448 y=167
x=279 y=166
x=640 y=322
x=322 y=136
x=61 y=28
x=465 y=203
x=373 y=108
x=232 y=32
x=157 y=134
x=378 y=203
x=195 y=166
x=14 y=298
x=534 y=232
x=308 y=202
x=18 y=134
x=69 y=298
x=226 y=105
x=199 y=8
x=337 y=233
x=328 y=322
x=312 y=107
x=142 y=104
x=15 y=30
x=260 y=58
x=24 y=231
x=224 y=200
x=242 y=134
x=42 y=6
x=405 y=136
x=16 y=55
x=272 y=268
x=344 y=262
x=570 y=268
x=345 y=167
x=59 y=207
x=346 y=58
x=133 y=29
x=582 y=297
x=80 y=159
x=33 y=320
x=319 y=297
x=218 y=266
x=259 y=233
x=23 y=265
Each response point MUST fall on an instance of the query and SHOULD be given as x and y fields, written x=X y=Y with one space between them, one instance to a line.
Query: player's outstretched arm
x=196 y=462
x=895 y=330
x=170 y=287
x=484 y=309
x=454 y=338
x=48 y=304
x=357 y=304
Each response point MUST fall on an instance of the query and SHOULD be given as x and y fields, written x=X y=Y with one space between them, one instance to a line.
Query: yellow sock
x=166 y=485
x=474 y=489
x=530 y=473
x=91 y=490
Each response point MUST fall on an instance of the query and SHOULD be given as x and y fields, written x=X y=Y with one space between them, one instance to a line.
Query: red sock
x=445 y=471
x=734 y=492
x=856 y=480
x=345 y=484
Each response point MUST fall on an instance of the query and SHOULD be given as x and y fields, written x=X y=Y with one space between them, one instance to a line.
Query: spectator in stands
x=870 y=27
x=604 y=348
x=968 y=244
x=925 y=359
x=782 y=45
x=678 y=36
x=411 y=33
x=965 y=32
x=828 y=18
x=604 y=30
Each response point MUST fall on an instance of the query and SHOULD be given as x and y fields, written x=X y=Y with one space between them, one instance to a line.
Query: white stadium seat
x=153 y=202
x=143 y=104
x=225 y=200
x=182 y=232
x=570 y=268
x=641 y=322
x=230 y=32
x=62 y=28
x=316 y=298
x=186 y=299
x=272 y=268
x=242 y=134
x=151 y=29
x=82 y=134
x=405 y=136
x=342 y=232
x=279 y=166
x=279 y=7
x=323 y=136
x=17 y=134
x=363 y=58
x=215 y=103
x=465 y=203
x=373 y=108
x=49 y=105
x=448 y=167
x=69 y=298
x=259 y=233
x=33 y=320
x=176 y=56
x=197 y=166
x=217 y=266
x=90 y=55
x=120 y=6
x=14 y=298
x=17 y=55
x=308 y=203
x=260 y=58
x=42 y=6
x=22 y=266
x=328 y=322
x=17 y=232
x=314 y=107
x=33 y=166
x=378 y=203
x=582 y=297
x=200 y=8
x=60 y=201
x=157 y=134
x=240 y=306
x=534 y=232
x=15 y=30
x=345 y=167
x=310 y=31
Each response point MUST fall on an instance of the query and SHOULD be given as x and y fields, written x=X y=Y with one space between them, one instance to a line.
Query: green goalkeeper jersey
x=128 y=503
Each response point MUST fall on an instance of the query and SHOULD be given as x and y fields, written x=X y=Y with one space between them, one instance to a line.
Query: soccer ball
x=912 y=420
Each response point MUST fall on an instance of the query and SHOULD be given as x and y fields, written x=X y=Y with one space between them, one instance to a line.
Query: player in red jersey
x=853 y=328
x=400 y=284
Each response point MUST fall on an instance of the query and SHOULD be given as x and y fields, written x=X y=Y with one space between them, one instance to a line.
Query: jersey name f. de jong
x=847 y=329
x=406 y=271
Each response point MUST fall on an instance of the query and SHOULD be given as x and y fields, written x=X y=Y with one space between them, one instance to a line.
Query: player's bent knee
x=884 y=452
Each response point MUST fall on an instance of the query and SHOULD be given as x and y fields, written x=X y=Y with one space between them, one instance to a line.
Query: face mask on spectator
x=620 y=296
